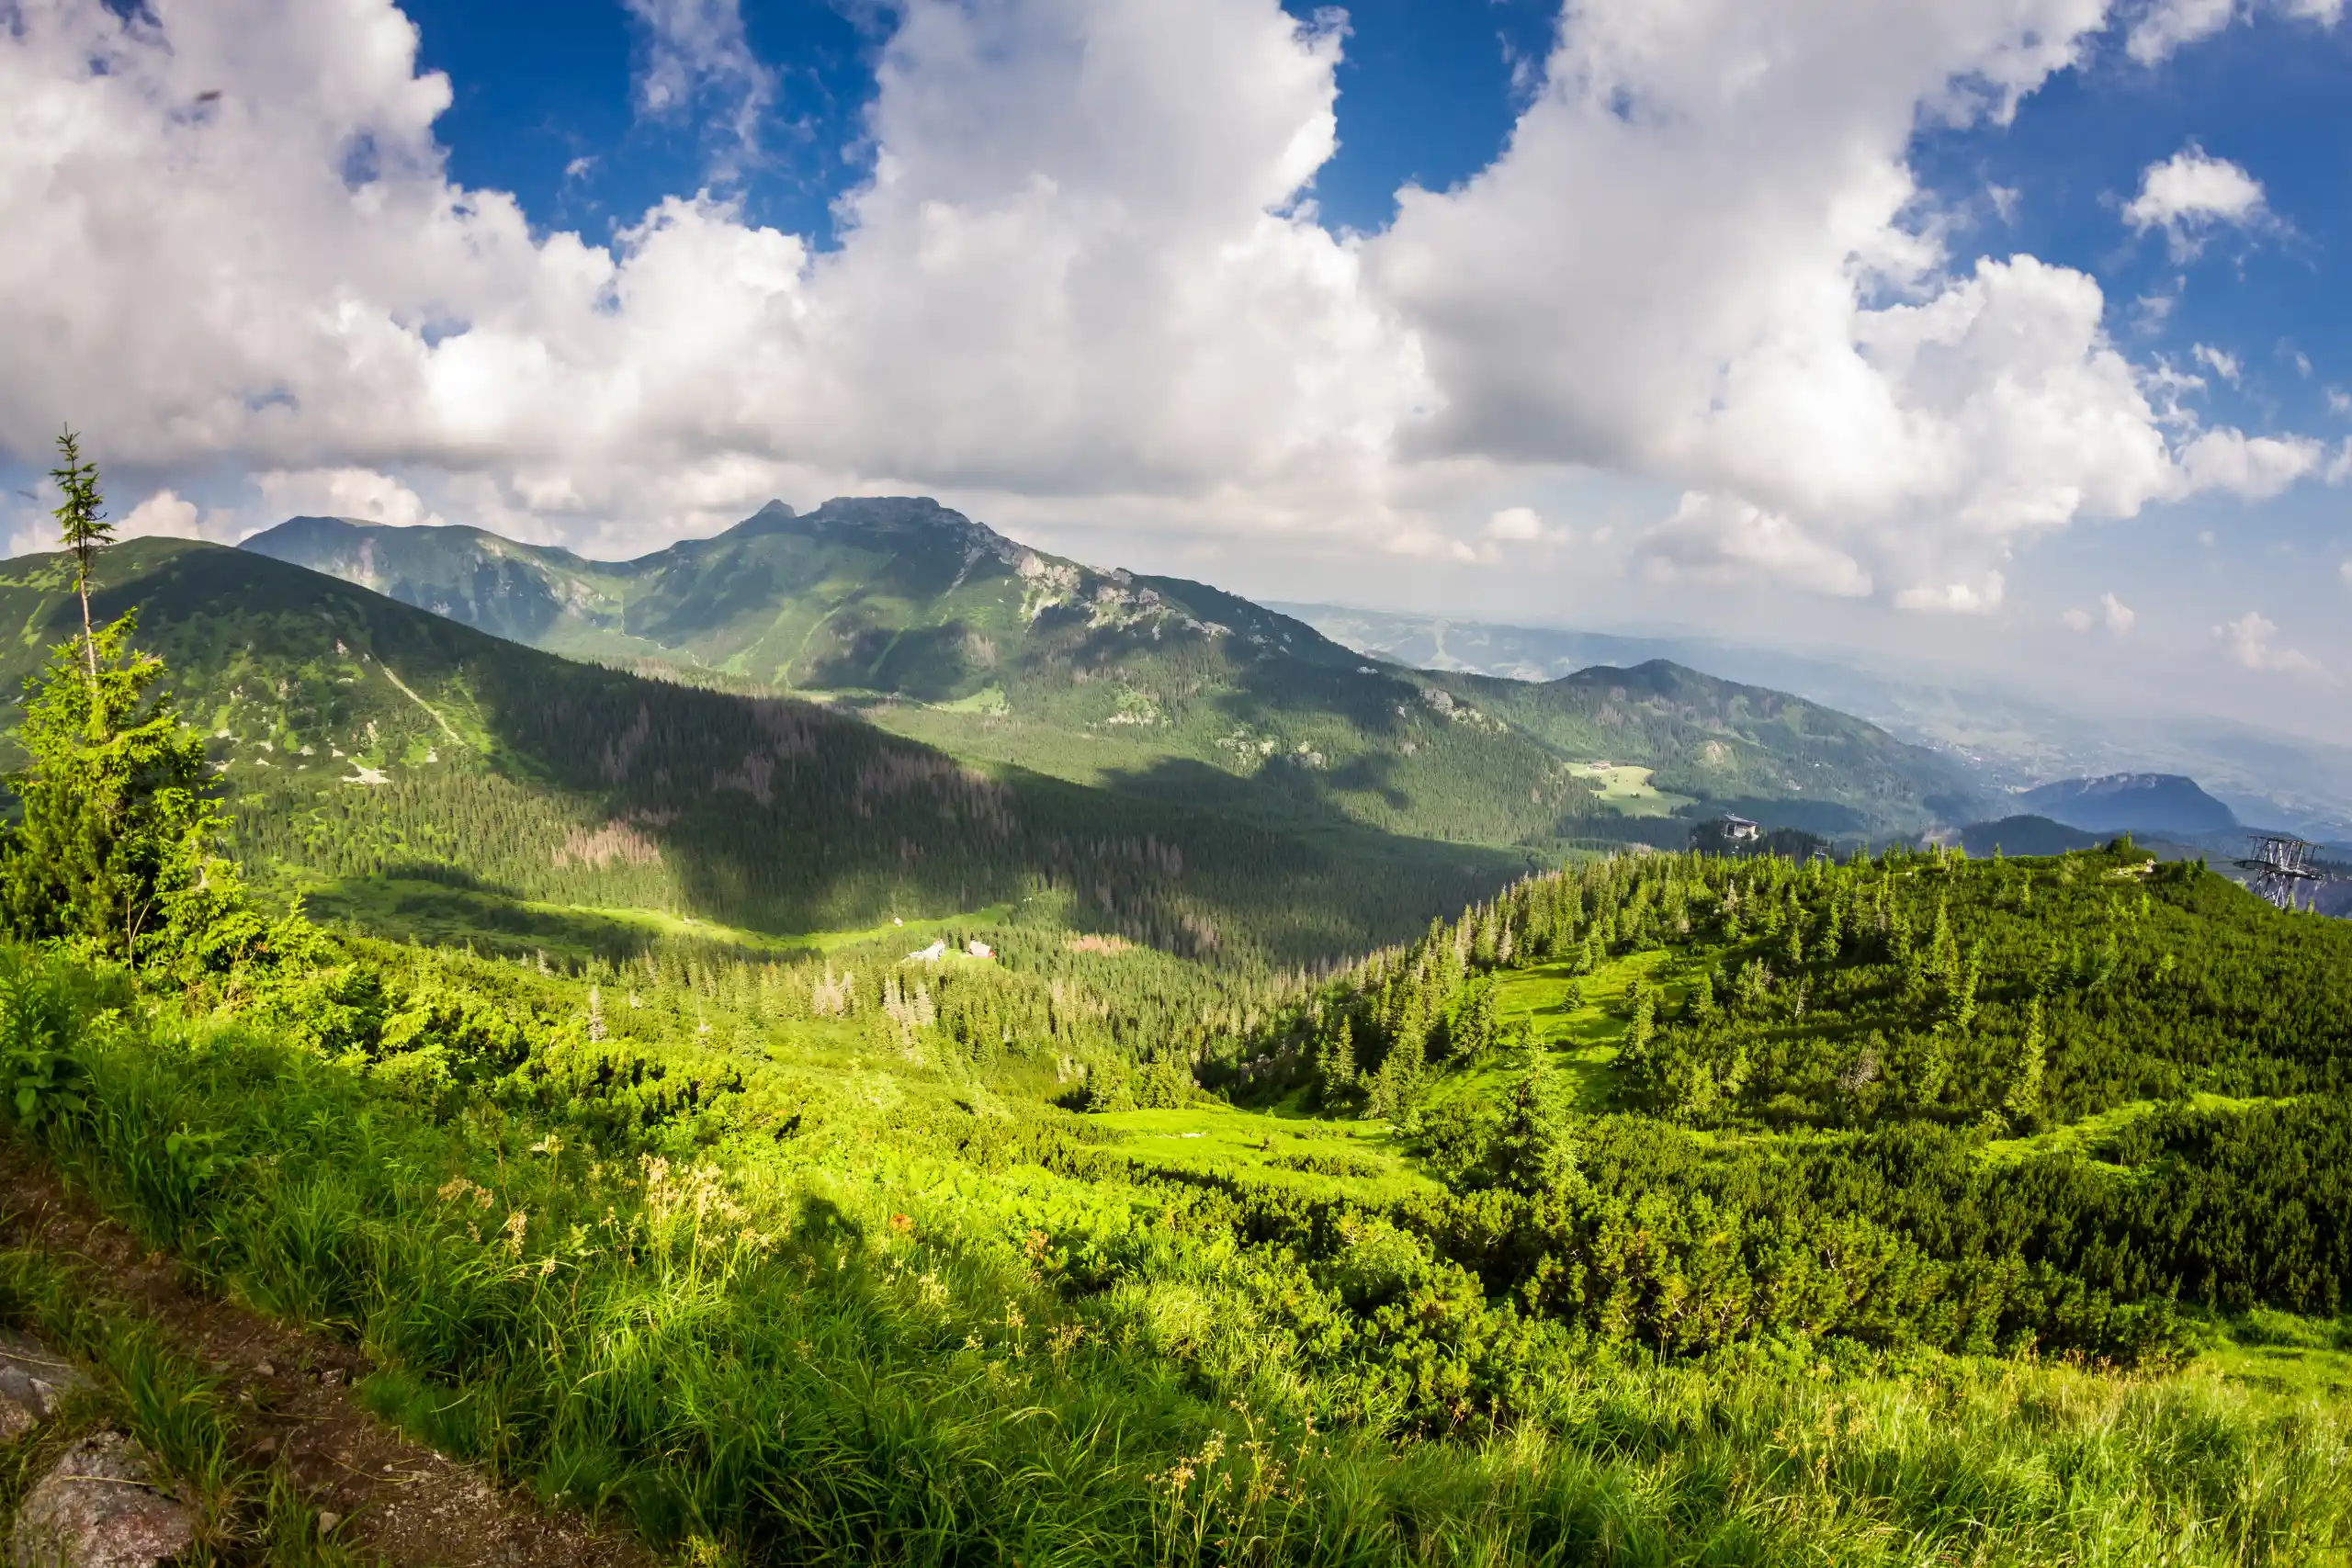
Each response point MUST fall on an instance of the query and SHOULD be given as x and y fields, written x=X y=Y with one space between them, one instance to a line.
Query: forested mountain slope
x=1981 y=1103
x=361 y=737
x=953 y=634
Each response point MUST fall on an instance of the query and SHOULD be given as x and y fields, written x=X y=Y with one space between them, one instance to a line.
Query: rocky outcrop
x=104 y=1505
x=32 y=1380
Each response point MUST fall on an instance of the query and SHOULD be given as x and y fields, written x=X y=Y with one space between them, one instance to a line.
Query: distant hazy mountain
x=2010 y=739
x=1518 y=653
x=2153 y=803
x=946 y=630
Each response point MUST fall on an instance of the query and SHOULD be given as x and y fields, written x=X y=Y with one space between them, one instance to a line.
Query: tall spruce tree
x=118 y=822
x=82 y=521
x=112 y=850
x=1336 y=1065
x=1535 y=1146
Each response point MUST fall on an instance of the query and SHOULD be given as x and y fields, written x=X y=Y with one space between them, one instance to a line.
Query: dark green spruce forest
x=779 y=1112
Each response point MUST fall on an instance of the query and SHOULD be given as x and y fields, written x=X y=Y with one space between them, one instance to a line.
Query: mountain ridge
x=363 y=741
x=942 y=628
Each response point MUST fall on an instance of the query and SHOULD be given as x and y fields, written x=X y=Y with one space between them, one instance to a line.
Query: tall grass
x=778 y=1362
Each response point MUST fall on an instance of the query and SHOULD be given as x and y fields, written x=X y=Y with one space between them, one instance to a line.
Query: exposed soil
x=291 y=1392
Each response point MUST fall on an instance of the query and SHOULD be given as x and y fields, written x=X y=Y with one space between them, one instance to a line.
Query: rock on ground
x=102 y=1506
x=32 y=1380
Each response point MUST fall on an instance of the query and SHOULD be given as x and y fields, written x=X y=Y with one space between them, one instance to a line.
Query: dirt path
x=291 y=1391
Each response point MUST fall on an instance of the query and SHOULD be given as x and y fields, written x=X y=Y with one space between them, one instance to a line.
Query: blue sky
x=2006 y=337
x=2273 y=95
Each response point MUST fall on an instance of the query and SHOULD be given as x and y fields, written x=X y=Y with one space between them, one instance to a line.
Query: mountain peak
x=309 y=527
x=911 y=517
x=2122 y=802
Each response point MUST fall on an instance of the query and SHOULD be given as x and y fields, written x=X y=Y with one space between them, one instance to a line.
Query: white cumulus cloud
x=2165 y=26
x=1076 y=276
x=1705 y=258
x=1516 y=524
x=2256 y=468
x=2118 y=616
x=1073 y=273
x=358 y=493
x=2251 y=641
x=1714 y=538
x=2192 y=194
x=162 y=515
x=1980 y=598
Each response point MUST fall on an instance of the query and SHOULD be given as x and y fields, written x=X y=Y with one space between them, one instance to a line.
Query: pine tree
x=1932 y=1069
x=1535 y=1149
x=1962 y=1010
x=2023 y=1099
x=82 y=519
x=114 y=846
x=1702 y=1005
x=1336 y=1065
x=1396 y=1083
x=1644 y=1025
x=1943 y=949
x=1474 y=1026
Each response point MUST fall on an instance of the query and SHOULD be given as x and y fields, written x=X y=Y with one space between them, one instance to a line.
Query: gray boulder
x=103 y=1506
x=32 y=1380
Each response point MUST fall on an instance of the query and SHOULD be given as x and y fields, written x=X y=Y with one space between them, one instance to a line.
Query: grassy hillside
x=406 y=768
x=1085 y=1255
x=950 y=633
